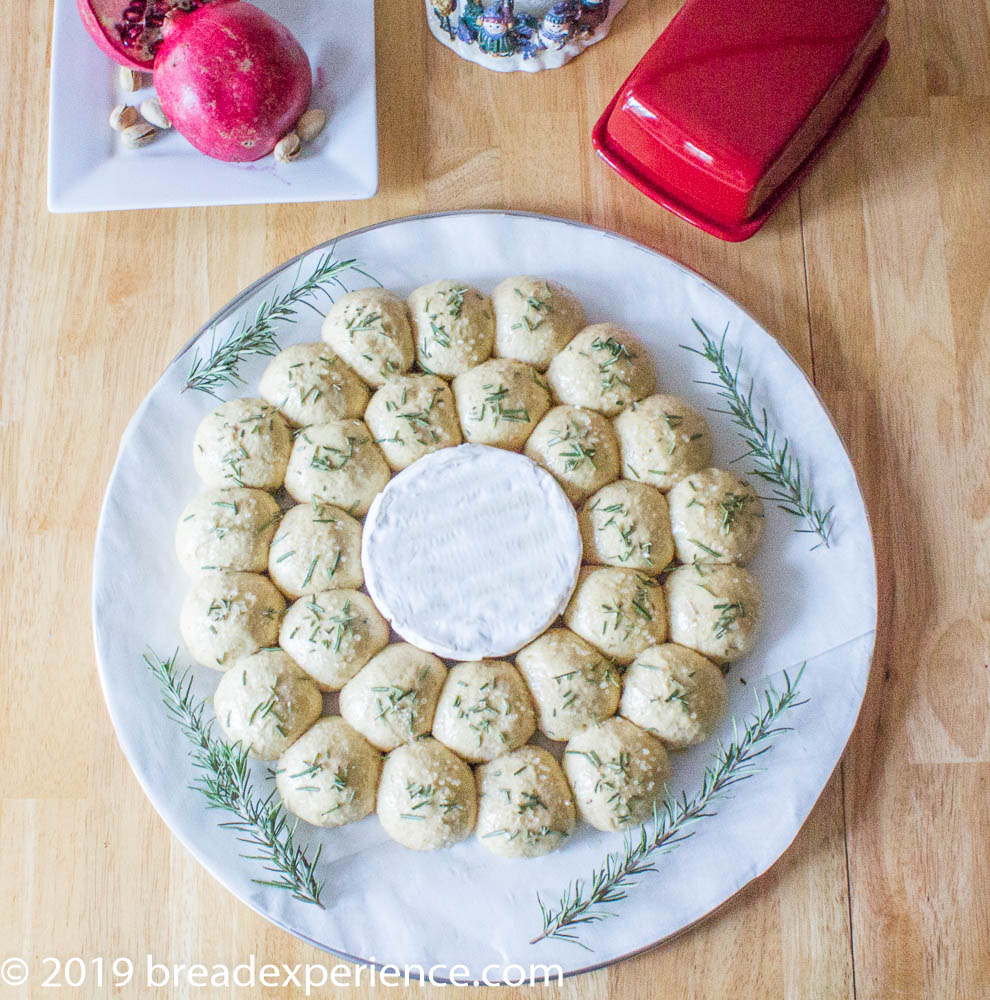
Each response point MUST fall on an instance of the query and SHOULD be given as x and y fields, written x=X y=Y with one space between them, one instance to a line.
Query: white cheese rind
x=471 y=552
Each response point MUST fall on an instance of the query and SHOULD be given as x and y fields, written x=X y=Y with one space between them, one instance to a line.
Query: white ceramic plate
x=89 y=170
x=464 y=905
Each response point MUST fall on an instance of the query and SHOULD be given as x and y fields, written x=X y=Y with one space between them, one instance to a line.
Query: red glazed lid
x=736 y=99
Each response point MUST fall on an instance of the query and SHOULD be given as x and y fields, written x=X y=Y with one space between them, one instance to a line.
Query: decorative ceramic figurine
x=526 y=35
x=443 y=9
x=495 y=35
x=558 y=24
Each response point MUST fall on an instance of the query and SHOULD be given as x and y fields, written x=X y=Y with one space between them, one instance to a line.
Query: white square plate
x=89 y=170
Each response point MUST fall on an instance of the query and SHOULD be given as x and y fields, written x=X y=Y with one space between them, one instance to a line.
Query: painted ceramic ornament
x=495 y=32
x=443 y=9
x=559 y=24
x=469 y=22
x=593 y=14
x=527 y=35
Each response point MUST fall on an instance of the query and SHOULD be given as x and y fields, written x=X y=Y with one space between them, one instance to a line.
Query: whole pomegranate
x=231 y=79
x=130 y=31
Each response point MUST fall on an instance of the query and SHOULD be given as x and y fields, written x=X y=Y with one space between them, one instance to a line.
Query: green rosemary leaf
x=773 y=459
x=257 y=336
x=226 y=782
x=583 y=901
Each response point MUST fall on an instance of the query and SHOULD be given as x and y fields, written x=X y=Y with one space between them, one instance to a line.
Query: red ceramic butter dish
x=736 y=100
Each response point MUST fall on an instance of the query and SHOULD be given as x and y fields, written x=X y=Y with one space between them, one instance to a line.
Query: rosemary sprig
x=774 y=463
x=225 y=781
x=582 y=901
x=257 y=337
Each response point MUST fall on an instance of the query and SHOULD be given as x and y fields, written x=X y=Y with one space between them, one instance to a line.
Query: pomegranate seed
x=130 y=34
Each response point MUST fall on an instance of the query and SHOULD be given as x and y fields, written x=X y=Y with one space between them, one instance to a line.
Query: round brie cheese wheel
x=472 y=552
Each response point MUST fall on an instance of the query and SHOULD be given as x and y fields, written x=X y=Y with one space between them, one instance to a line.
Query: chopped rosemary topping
x=729 y=614
x=326 y=630
x=625 y=528
x=455 y=301
x=219 y=609
x=309 y=572
x=394 y=702
x=363 y=321
x=617 y=353
x=326 y=458
x=274 y=519
x=537 y=309
x=531 y=802
x=704 y=548
x=575 y=440
x=494 y=402
x=732 y=506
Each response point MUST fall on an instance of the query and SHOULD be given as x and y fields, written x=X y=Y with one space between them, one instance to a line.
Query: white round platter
x=464 y=906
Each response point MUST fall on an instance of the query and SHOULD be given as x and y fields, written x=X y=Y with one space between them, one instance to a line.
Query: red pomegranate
x=130 y=31
x=231 y=79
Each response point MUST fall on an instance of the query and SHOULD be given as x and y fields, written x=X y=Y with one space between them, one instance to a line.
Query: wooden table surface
x=875 y=275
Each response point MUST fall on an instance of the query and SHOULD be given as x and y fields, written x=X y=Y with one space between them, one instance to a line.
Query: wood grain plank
x=797 y=912
x=898 y=293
